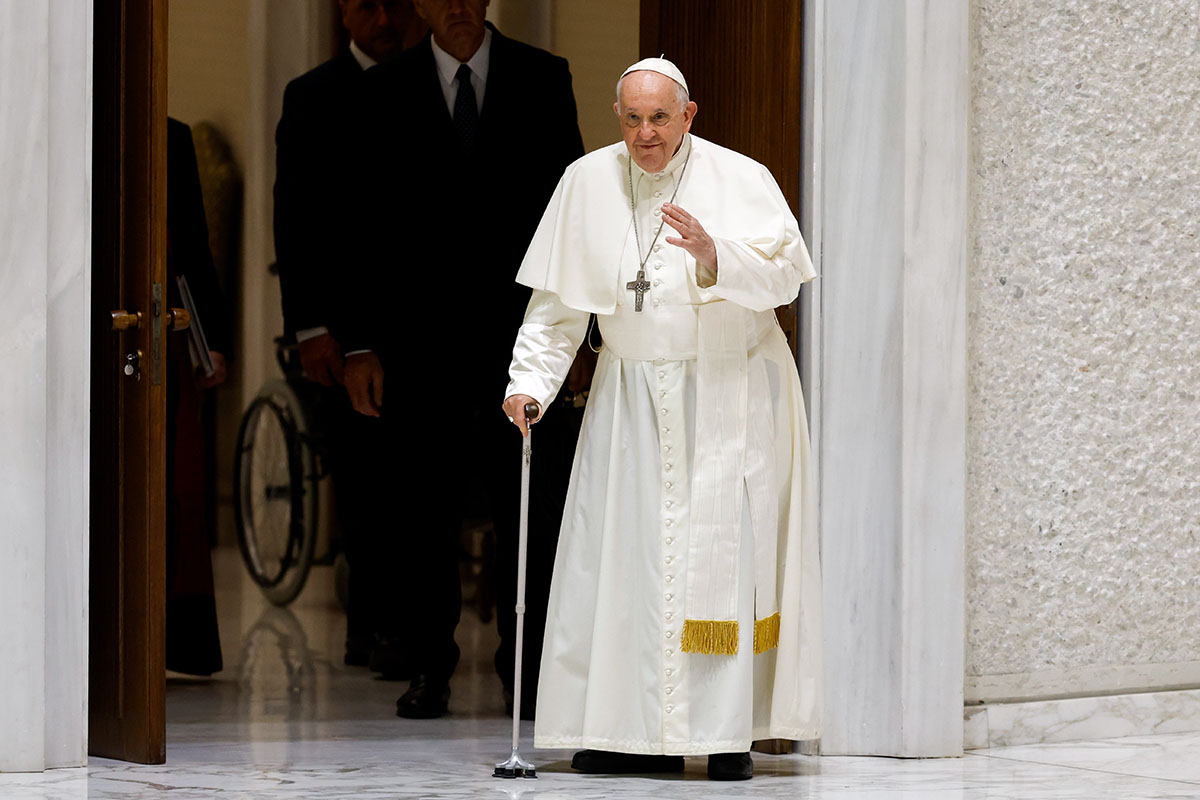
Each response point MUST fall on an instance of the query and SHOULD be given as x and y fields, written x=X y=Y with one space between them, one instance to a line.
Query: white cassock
x=690 y=496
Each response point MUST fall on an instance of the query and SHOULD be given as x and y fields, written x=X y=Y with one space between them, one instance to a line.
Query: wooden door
x=742 y=62
x=127 y=683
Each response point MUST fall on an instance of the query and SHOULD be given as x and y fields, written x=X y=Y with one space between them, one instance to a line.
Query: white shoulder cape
x=587 y=228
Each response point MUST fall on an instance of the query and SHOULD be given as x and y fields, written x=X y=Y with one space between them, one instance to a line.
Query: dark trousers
x=413 y=561
x=553 y=451
x=357 y=463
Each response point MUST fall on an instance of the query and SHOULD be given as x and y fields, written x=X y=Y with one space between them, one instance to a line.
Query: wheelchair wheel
x=275 y=493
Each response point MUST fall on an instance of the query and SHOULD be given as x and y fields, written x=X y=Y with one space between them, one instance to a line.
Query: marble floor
x=287 y=720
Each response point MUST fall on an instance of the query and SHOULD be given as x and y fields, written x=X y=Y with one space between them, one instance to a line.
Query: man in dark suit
x=309 y=244
x=479 y=129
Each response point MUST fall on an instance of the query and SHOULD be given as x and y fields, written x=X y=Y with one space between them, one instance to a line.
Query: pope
x=684 y=612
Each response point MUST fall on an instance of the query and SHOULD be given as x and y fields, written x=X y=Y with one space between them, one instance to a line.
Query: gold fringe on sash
x=710 y=637
x=766 y=633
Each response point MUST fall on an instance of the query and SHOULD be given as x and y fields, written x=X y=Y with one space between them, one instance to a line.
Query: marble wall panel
x=23 y=468
x=1084 y=401
x=861 y=149
x=888 y=182
x=68 y=384
x=1082 y=718
x=45 y=146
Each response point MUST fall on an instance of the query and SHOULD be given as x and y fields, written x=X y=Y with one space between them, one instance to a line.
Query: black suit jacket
x=309 y=189
x=431 y=285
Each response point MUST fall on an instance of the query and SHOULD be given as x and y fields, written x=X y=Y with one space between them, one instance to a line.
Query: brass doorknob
x=123 y=320
x=179 y=319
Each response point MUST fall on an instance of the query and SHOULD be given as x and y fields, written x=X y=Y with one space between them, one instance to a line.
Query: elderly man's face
x=457 y=24
x=653 y=118
x=378 y=26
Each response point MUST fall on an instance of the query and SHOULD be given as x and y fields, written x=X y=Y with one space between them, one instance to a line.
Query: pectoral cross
x=640 y=286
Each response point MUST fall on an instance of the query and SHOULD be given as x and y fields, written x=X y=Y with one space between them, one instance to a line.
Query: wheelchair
x=279 y=486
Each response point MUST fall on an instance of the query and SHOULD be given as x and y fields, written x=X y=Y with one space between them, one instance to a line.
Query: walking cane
x=515 y=766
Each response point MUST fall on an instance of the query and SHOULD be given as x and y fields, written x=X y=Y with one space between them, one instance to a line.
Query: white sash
x=731 y=462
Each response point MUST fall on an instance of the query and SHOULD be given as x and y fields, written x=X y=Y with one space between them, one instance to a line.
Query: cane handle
x=531 y=411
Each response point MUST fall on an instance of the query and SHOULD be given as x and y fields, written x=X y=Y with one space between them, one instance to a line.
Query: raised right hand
x=364 y=383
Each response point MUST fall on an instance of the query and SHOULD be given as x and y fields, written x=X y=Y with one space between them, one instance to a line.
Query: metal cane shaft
x=531 y=413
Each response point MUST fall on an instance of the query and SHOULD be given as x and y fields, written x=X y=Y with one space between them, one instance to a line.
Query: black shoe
x=730 y=767
x=425 y=699
x=390 y=661
x=602 y=761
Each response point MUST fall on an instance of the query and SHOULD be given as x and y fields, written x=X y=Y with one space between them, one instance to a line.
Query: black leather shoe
x=602 y=761
x=730 y=767
x=426 y=698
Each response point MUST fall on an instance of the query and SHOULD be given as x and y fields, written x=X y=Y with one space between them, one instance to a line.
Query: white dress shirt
x=364 y=60
x=447 y=67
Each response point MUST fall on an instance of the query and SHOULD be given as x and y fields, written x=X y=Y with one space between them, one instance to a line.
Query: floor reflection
x=287 y=719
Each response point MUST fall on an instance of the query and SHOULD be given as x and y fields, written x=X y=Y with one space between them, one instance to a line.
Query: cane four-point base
x=515 y=767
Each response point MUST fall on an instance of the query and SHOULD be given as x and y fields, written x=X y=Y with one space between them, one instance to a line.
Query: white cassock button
x=662 y=393
x=658 y=282
x=670 y=634
x=670 y=540
x=669 y=578
x=657 y=247
x=670 y=559
x=670 y=672
x=662 y=374
x=658 y=177
x=669 y=597
x=670 y=503
x=658 y=194
x=668 y=467
x=666 y=448
x=670 y=690
x=657 y=302
x=663 y=412
x=658 y=266
x=670 y=652
x=670 y=709
x=669 y=523
x=657 y=212
x=669 y=484
x=666 y=430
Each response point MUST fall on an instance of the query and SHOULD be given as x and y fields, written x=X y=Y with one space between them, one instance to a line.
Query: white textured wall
x=1083 y=548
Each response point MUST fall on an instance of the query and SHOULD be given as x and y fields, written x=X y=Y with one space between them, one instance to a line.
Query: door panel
x=742 y=62
x=127 y=684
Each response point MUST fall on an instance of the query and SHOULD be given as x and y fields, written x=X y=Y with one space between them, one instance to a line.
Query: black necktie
x=466 y=113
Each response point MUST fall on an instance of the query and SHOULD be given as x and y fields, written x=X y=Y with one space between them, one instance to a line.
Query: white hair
x=680 y=92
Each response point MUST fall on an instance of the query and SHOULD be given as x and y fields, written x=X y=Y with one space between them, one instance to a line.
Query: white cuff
x=311 y=333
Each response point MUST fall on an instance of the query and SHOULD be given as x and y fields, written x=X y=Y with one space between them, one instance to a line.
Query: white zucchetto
x=660 y=65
